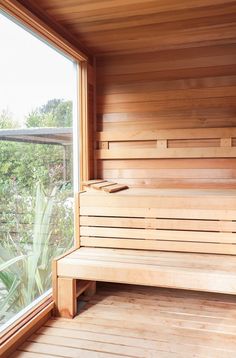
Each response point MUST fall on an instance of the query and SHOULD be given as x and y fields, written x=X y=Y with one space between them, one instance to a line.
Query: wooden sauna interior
x=161 y=119
x=156 y=65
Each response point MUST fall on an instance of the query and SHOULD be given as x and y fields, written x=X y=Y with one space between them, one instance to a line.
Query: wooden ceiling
x=135 y=26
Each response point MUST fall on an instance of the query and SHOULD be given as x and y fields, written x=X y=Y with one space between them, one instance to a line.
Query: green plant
x=25 y=270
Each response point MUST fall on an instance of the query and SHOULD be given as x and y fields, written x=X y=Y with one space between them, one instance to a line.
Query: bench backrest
x=172 y=143
x=173 y=158
x=202 y=221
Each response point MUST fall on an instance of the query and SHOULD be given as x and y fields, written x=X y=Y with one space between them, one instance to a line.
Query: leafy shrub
x=25 y=270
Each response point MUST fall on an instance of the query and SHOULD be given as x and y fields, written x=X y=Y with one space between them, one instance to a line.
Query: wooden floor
x=136 y=321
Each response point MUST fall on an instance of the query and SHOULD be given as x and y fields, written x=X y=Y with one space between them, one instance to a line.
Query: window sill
x=22 y=328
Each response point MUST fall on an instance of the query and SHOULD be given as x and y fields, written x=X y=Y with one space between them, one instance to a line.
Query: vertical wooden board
x=91 y=118
x=54 y=286
x=162 y=143
x=86 y=115
x=226 y=142
x=67 y=303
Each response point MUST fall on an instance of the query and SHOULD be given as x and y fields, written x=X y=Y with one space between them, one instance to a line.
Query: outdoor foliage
x=55 y=113
x=25 y=270
x=36 y=209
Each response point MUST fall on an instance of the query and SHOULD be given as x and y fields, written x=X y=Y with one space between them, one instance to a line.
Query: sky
x=31 y=72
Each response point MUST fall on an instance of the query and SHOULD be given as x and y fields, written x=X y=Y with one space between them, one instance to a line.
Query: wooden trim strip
x=171 y=134
x=14 y=8
x=84 y=174
x=27 y=324
x=68 y=252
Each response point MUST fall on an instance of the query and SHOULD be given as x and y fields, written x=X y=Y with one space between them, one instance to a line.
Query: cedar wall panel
x=184 y=88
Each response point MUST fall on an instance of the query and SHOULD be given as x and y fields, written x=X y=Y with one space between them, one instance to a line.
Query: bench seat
x=203 y=272
x=172 y=238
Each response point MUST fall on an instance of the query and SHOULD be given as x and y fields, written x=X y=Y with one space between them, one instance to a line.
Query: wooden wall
x=181 y=88
x=91 y=91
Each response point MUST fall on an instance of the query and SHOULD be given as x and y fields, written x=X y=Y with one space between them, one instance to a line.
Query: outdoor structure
x=53 y=136
x=153 y=270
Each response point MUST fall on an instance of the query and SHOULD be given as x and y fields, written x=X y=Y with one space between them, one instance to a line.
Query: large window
x=37 y=92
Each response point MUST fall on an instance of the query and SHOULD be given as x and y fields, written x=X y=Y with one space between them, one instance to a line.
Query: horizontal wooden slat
x=176 y=143
x=174 y=105
x=86 y=344
x=182 y=246
x=161 y=213
x=150 y=234
x=65 y=351
x=117 y=229
x=157 y=95
x=162 y=199
x=102 y=184
x=174 y=164
x=194 y=133
x=162 y=258
x=204 y=225
x=162 y=85
x=216 y=152
x=115 y=188
x=157 y=119
x=170 y=173
x=168 y=183
x=93 y=182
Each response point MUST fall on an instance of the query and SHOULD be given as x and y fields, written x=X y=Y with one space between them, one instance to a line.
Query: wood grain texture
x=86 y=114
x=35 y=14
x=158 y=323
x=160 y=65
x=141 y=98
x=141 y=229
x=130 y=26
x=210 y=274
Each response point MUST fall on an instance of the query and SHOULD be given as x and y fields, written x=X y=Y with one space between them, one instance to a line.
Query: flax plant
x=25 y=273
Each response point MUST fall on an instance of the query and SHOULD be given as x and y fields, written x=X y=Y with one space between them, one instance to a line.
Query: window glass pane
x=37 y=91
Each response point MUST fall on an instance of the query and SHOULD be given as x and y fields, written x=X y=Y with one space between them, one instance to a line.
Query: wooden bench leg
x=66 y=297
x=68 y=290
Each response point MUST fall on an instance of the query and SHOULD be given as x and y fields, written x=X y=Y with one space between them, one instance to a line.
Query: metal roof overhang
x=56 y=136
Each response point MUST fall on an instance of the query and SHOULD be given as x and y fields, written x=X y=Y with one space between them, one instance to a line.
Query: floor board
x=136 y=321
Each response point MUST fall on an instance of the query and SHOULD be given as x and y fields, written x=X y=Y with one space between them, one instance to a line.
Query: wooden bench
x=160 y=237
